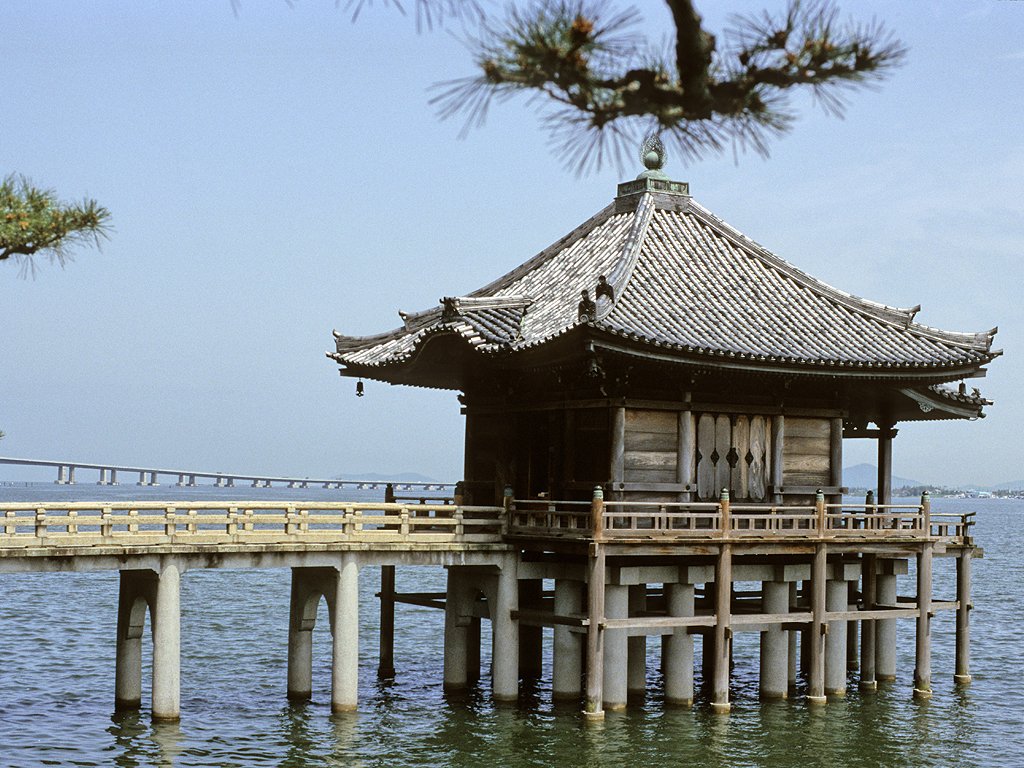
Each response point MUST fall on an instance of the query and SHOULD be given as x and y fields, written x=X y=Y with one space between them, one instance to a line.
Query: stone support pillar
x=677 y=650
x=791 y=640
x=457 y=609
x=616 y=648
x=774 y=642
x=637 y=645
x=505 y=643
x=103 y=476
x=345 y=649
x=152 y=479
x=166 y=615
x=62 y=477
x=71 y=475
x=113 y=477
x=136 y=590
x=885 y=629
x=962 y=676
x=567 y=656
x=836 y=596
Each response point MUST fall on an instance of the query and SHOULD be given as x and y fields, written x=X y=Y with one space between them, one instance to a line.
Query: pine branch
x=34 y=222
x=598 y=86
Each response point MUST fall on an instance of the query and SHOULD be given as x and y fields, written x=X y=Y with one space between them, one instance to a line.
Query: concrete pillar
x=567 y=658
x=677 y=650
x=791 y=641
x=386 y=663
x=305 y=597
x=531 y=639
x=345 y=621
x=103 y=476
x=723 y=630
x=885 y=629
x=636 y=674
x=593 y=708
x=836 y=596
x=473 y=642
x=458 y=606
x=61 y=475
x=191 y=481
x=134 y=592
x=774 y=642
x=152 y=479
x=616 y=648
x=113 y=477
x=181 y=480
x=71 y=475
x=815 y=638
x=142 y=478
x=867 y=627
x=923 y=650
x=962 y=676
x=505 y=643
x=167 y=645
x=231 y=482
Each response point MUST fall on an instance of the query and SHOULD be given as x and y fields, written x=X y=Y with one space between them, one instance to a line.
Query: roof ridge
x=548 y=253
x=900 y=317
x=622 y=271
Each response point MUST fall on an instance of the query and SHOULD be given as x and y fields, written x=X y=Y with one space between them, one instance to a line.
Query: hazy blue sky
x=280 y=173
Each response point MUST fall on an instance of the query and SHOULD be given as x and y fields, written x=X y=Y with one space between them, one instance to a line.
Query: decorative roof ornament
x=653 y=156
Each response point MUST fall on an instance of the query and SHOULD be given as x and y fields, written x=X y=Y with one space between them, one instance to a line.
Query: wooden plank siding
x=651 y=441
x=806 y=452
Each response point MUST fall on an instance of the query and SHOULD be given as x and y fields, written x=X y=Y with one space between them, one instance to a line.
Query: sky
x=278 y=172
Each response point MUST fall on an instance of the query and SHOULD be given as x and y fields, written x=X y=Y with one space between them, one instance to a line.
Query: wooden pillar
x=885 y=435
x=386 y=655
x=869 y=575
x=778 y=441
x=531 y=639
x=686 y=457
x=962 y=676
x=723 y=616
x=567 y=657
x=618 y=448
x=815 y=639
x=923 y=648
x=637 y=645
x=594 y=705
x=677 y=650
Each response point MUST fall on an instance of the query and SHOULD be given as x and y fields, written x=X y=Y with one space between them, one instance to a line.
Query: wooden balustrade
x=150 y=523
x=630 y=519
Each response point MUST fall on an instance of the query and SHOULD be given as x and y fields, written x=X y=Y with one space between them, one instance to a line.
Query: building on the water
x=661 y=404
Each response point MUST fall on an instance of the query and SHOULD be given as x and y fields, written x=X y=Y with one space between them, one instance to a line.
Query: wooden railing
x=707 y=520
x=83 y=524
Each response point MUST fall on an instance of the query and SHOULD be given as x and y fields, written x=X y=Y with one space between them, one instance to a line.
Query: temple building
x=655 y=364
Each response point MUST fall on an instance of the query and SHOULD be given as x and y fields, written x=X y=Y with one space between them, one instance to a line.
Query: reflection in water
x=141 y=742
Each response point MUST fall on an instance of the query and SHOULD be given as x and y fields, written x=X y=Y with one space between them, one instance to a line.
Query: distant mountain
x=402 y=477
x=866 y=476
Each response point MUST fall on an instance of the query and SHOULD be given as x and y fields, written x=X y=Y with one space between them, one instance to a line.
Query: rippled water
x=57 y=677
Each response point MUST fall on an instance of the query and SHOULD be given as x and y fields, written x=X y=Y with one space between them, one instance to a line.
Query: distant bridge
x=187 y=478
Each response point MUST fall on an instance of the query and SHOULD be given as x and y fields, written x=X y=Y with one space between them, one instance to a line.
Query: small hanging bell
x=359 y=388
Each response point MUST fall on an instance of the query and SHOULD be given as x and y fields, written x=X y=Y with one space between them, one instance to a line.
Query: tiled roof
x=684 y=282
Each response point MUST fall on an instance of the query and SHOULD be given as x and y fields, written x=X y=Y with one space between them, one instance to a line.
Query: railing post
x=926 y=513
x=871 y=510
x=819 y=508
x=107 y=524
x=508 y=503
x=169 y=517
x=597 y=513
x=72 y=516
x=289 y=521
x=459 y=526
x=724 y=513
x=232 y=526
x=40 y=522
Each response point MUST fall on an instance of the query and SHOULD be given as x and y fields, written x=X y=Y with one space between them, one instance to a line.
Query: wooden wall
x=806 y=452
